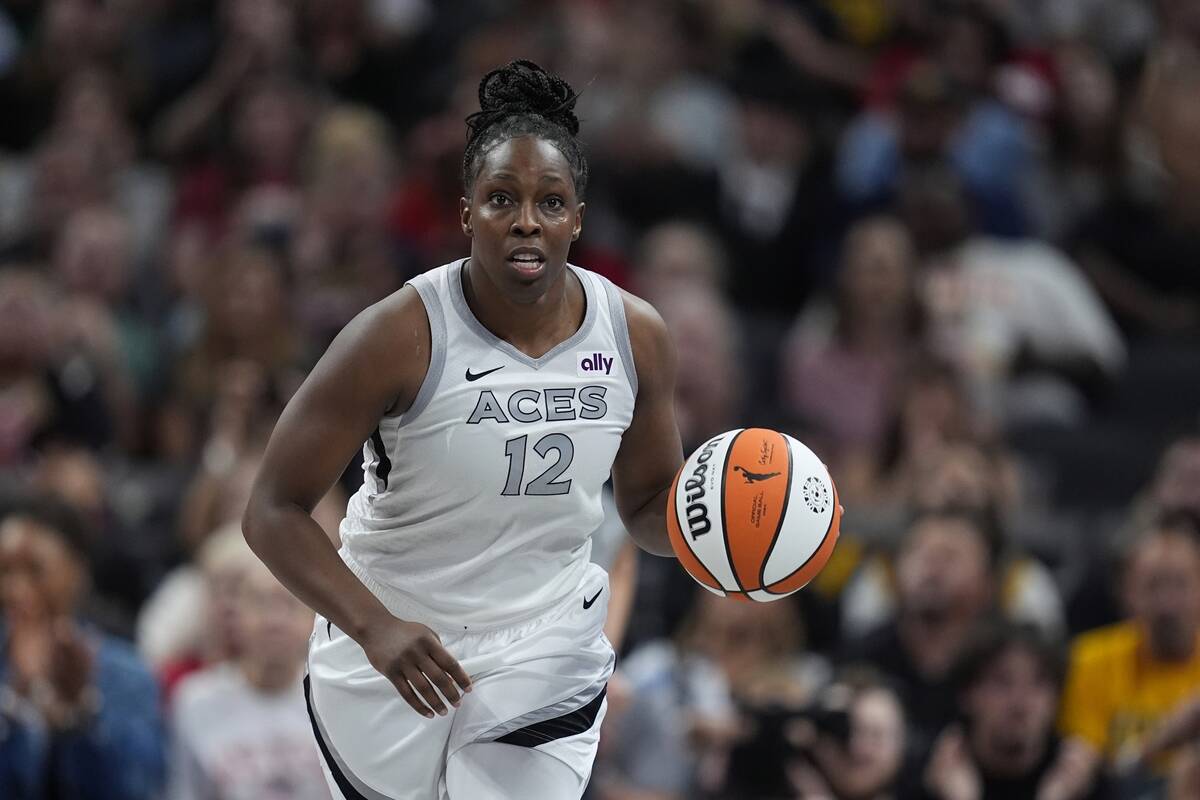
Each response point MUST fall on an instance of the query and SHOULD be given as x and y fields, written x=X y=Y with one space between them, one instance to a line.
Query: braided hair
x=522 y=99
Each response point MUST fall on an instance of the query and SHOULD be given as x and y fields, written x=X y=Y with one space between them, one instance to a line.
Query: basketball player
x=458 y=649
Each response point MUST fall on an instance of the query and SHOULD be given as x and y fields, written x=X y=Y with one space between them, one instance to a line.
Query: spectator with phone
x=855 y=752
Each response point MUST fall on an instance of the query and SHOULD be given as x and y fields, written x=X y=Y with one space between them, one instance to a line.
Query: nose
x=526 y=222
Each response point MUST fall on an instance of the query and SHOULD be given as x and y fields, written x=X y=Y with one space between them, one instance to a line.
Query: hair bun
x=522 y=87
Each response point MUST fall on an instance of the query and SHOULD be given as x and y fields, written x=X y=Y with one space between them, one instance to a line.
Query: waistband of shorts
x=405 y=607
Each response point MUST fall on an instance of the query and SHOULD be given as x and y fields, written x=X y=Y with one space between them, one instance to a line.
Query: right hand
x=951 y=775
x=412 y=657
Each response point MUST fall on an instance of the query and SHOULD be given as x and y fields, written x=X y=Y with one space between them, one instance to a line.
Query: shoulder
x=1104 y=645
x=648 y=335
x=384 y=351
x=404 y=316
x=399 y=317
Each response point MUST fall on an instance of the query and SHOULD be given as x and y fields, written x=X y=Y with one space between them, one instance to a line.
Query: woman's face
x=40 y=577
x=1089 y=90
x=522 y=216
x=877 y=273
x=254 y=298
x=876 y=744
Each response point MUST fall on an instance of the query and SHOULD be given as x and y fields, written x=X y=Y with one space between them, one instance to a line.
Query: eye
x=555 y=203
x=498 y=199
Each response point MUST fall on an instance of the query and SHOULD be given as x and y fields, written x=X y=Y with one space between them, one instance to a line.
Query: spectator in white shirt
x=241 y=729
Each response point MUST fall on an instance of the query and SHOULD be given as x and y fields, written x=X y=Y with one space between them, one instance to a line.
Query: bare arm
x=650 y=453
x=376 y=364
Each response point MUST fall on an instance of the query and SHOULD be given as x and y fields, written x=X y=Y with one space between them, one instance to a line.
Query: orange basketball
x=753 y=514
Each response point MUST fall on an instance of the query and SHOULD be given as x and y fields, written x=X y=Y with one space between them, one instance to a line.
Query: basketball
x=753 y=514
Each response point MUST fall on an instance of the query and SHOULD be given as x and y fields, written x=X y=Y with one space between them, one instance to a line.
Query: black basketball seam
x=724 y=526
x=787 y=496
x=675 y=511
x=832 y=517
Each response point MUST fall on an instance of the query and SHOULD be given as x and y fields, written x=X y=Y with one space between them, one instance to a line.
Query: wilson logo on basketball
x=697 y=511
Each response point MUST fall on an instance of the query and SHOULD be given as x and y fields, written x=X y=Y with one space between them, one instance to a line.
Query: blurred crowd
x=952 y=245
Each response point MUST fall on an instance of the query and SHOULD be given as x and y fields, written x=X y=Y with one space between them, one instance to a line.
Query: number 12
x=547 y=483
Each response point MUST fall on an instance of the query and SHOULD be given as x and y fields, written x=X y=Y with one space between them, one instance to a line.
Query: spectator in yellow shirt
x=1125 y=678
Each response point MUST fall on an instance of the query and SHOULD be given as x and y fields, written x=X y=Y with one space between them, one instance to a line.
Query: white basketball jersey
x=479 y=501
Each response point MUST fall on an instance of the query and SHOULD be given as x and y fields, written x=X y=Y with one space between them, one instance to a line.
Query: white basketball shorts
x=539 y=684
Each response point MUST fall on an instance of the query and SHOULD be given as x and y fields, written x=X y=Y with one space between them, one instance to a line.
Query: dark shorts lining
x=569 y=724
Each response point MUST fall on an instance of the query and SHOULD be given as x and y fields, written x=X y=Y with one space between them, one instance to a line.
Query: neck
x=526 y=326
x=933 y=643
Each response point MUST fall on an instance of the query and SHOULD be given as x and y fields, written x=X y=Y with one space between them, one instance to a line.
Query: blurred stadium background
x=953 y=245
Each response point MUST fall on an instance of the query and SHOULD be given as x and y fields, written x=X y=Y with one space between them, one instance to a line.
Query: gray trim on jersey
x=437 y=347
x=351 y=778
x=468 y=317
x=616 y=311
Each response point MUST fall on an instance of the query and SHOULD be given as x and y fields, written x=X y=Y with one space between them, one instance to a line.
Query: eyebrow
x=546 y=177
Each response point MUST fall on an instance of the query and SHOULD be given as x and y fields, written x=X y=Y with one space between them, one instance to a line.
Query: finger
x=450 y=666
x=807 y=781
x=441 y=680
x=410 y=697
x=425 y=690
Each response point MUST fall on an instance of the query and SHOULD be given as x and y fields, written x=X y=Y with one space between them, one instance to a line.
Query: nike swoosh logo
x=474 y=376
x=588 y=603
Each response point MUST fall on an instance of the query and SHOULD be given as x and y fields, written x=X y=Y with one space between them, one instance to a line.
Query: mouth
x=527 y=260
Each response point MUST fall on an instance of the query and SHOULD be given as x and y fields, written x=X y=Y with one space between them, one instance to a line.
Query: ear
x=464 y=216
x=578 y=221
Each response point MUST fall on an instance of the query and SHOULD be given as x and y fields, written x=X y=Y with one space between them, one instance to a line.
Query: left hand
x=808 y=782
x=951 y=775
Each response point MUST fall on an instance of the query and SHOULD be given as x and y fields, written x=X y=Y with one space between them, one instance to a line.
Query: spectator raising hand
x=81 y=712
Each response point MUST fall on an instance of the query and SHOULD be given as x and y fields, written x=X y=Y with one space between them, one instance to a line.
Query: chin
x=527 y=286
